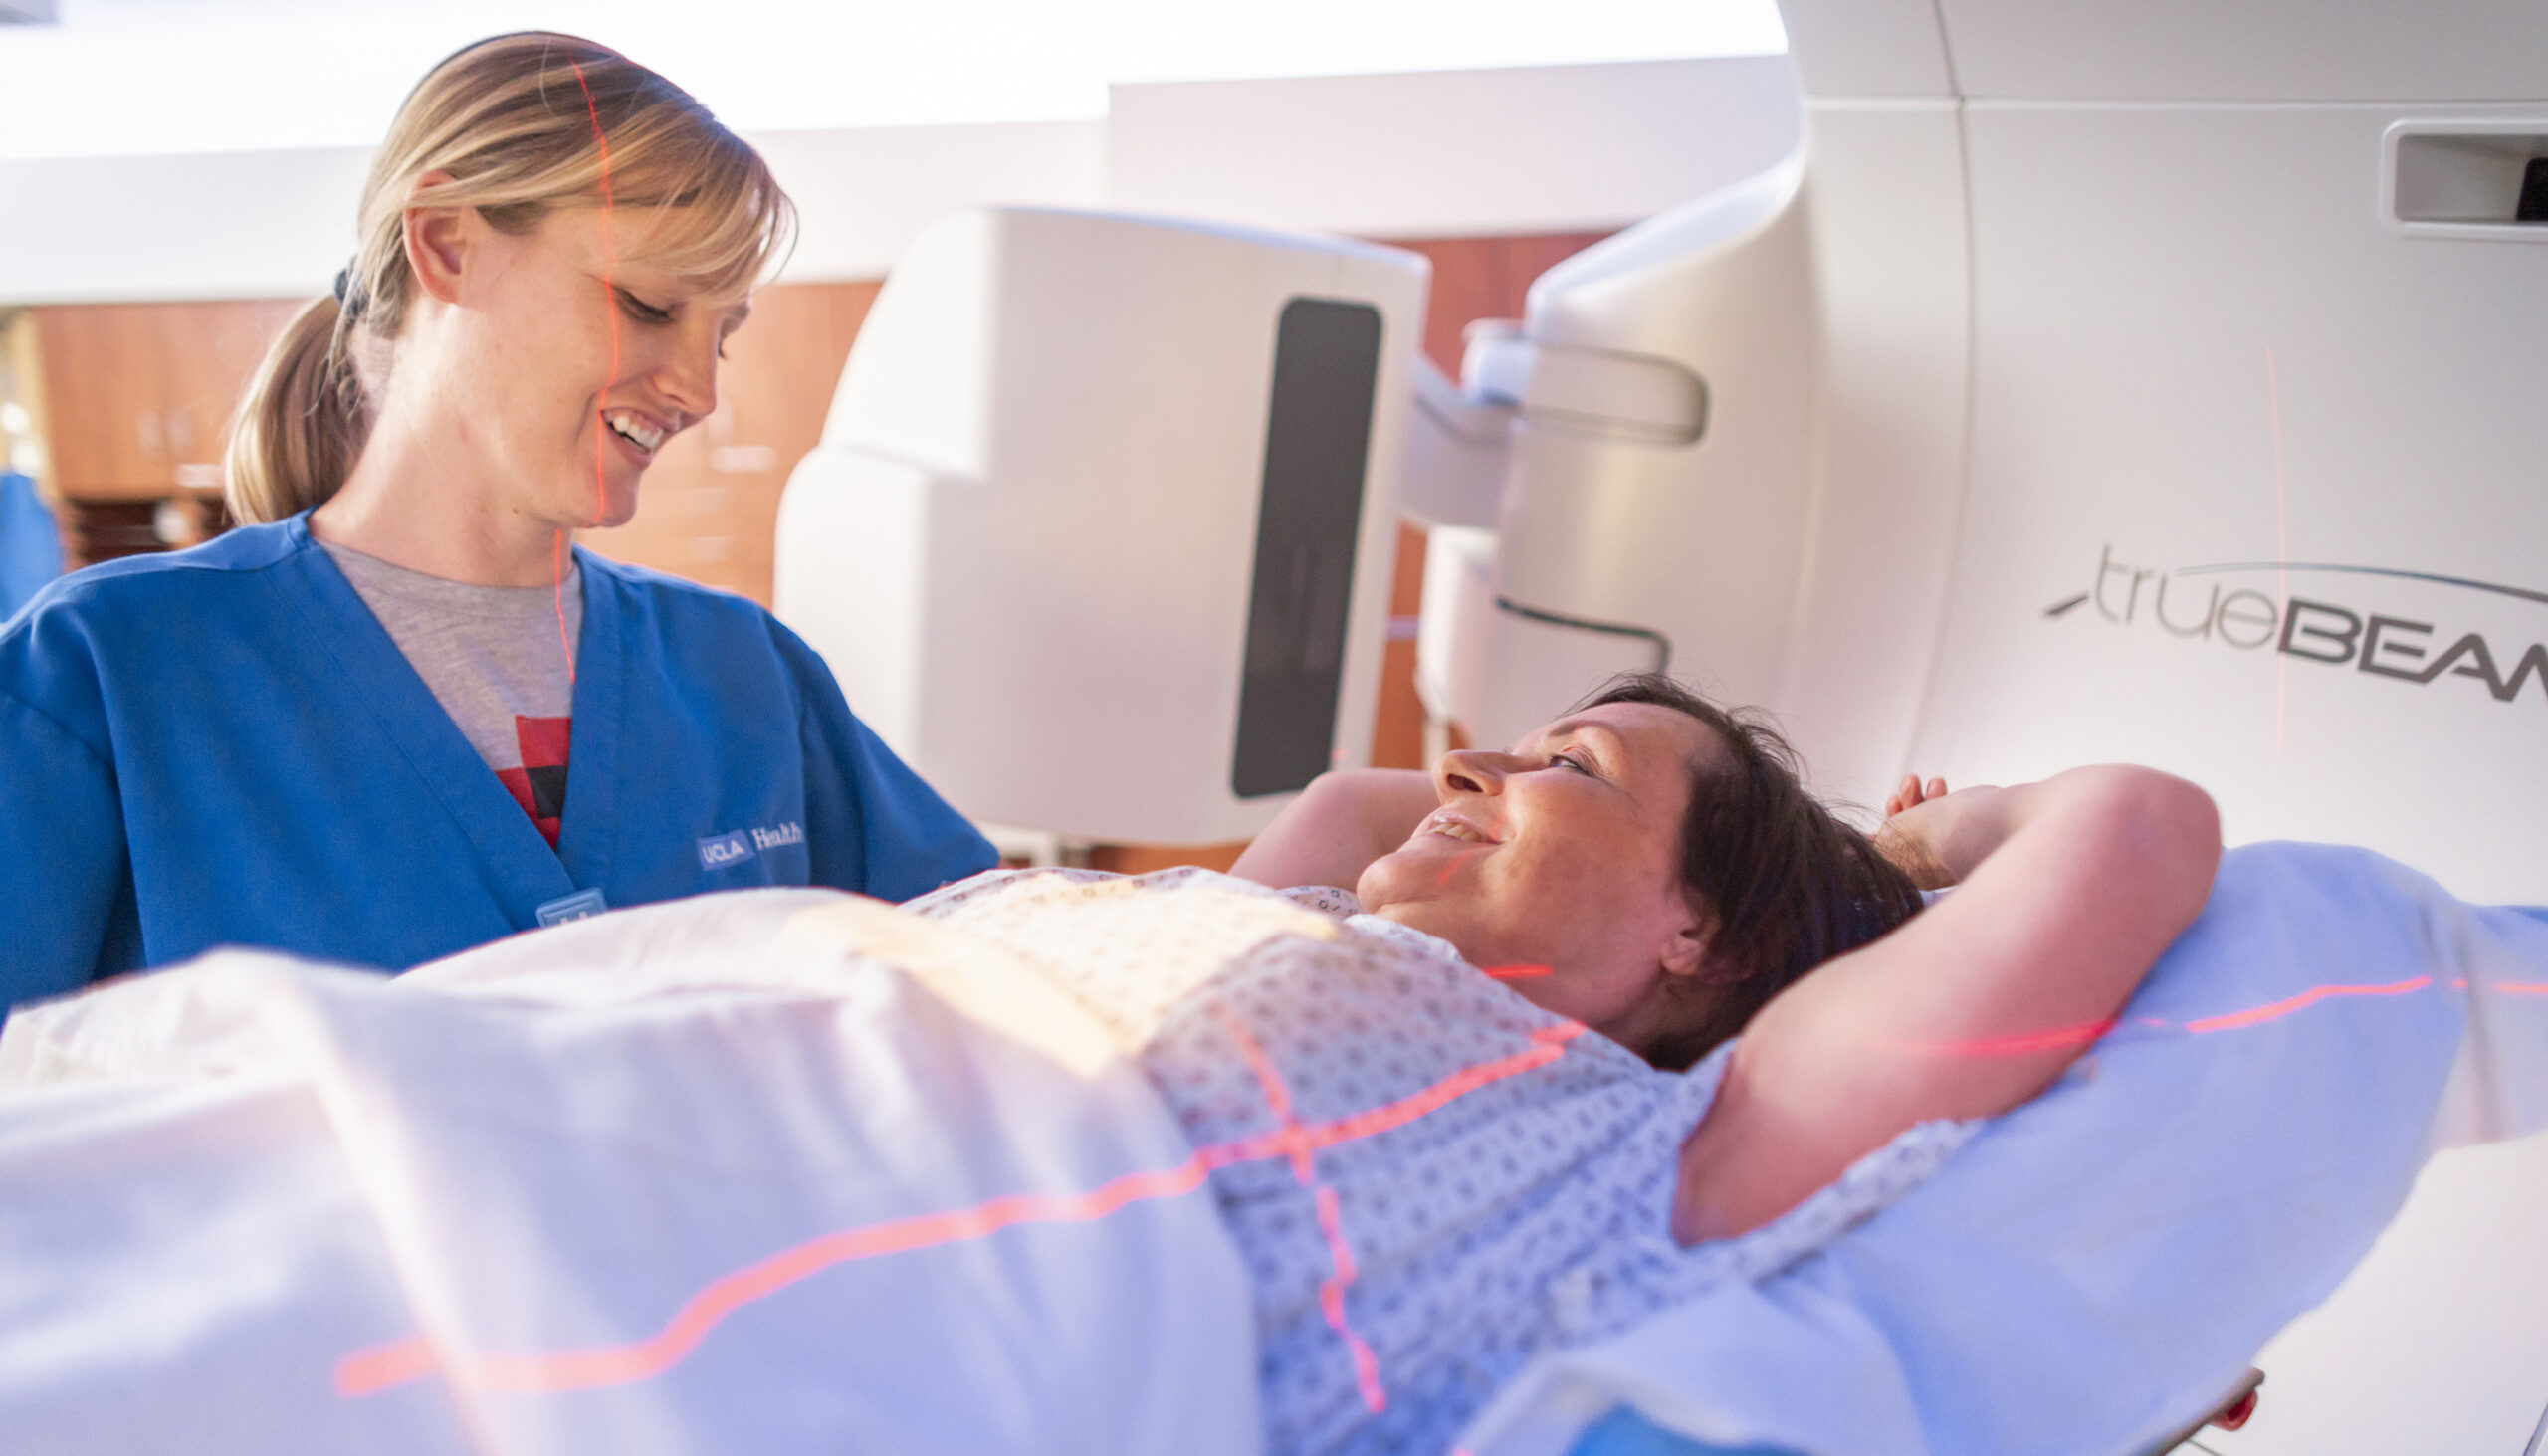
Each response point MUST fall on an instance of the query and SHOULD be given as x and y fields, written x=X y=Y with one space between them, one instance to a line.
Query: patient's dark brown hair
x=1786 y=884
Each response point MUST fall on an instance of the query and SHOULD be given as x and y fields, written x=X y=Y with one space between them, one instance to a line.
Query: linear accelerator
x=2121 y=379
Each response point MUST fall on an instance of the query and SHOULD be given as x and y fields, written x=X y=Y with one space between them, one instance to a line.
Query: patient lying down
x=1613 y=1026
x=1649 y=868
x=1655 y=863
x=1579 y=920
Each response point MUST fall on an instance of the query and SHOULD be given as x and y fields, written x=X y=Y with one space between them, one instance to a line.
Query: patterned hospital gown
x=1468 y=1181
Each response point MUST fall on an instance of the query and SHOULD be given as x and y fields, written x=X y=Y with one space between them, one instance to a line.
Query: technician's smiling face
x=563 y=361
x=1563 y=853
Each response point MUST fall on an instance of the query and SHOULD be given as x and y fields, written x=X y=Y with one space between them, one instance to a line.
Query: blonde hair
x=522 y=124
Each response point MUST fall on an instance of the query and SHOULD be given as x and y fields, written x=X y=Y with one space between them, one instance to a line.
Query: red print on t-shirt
x=540 y=784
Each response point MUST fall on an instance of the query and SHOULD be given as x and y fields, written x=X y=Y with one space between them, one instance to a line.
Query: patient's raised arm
x=1339 y=825
x=2070 y=889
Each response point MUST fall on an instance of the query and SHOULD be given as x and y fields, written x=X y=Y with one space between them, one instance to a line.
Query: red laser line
x=1516 y=972
x=558 y=595
x=609 y=264
x=1549 y=1044
x=2015 y=1045
x=398 y=1363
x=611 y=316
x=367 y=1371
x=1331 y=1290
x=383 y=1366
x=1278 y=1097
x=1331 y=1302
x=2081 y=1035
x=2310 y=997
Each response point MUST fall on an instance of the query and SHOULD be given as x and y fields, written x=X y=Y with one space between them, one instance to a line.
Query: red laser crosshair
x=1331 y=1218
x=385 y=1366
x=610 y=317
x=380 y=1367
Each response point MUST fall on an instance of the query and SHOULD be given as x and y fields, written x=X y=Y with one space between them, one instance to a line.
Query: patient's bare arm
x=2070 y=889
x=1339 y=825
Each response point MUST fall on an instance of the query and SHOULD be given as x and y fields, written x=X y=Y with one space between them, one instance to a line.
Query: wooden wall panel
x=1483 y=278
x=1397 y=736
x=208 y=353
x=1525 y=259
x=103 y=387
x=1464 y=275
x=1141 y=859
x=134 y=391
x=709 y=507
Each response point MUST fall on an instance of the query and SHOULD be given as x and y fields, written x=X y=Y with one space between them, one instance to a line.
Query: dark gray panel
x=1318 y=439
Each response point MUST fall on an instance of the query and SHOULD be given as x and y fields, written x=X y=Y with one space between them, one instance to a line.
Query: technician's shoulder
x=682 y=609
x=135 y=609
x=112 y=590
x=138 y=630
x=713 y=640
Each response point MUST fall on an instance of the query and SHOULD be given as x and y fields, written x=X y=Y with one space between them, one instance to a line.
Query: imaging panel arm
x=1455 y=453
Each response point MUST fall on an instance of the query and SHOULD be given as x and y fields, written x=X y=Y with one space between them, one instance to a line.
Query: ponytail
x=302 y=422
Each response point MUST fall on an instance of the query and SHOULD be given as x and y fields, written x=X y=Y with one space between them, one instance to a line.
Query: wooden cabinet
x=138 y=396
x=709 y=506
x=208 y=354
x=102 y=382
x=138 y=399
x=1483 y=278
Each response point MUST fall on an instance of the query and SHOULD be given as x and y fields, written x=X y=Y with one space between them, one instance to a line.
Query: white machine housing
x=2062 y=318
x=2179 y=397
x=1100 y=532
x=2157 y=380
x=1661 y=391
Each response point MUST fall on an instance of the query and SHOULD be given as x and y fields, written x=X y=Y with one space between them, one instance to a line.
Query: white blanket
x=787 y=1172
x=792 y=1172
x=2095 y=1269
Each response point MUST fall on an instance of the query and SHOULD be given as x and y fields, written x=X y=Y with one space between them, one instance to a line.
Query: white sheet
x=2095 y=1270
x=519 y=1167
x=216 y=1185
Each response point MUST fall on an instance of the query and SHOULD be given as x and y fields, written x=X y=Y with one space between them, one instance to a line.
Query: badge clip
x=579 y=905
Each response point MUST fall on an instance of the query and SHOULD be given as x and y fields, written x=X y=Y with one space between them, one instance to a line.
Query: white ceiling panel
x=148 y=77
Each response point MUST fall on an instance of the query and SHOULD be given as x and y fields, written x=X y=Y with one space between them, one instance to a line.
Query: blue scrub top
x=30 y=543
x=222 y=747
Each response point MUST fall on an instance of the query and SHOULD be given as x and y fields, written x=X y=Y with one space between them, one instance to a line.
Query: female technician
x=398 y=713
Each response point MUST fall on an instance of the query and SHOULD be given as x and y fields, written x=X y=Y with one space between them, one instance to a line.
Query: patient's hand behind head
x=1565 y=854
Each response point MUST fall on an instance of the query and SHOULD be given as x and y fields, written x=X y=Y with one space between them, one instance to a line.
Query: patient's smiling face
x=1563 y=853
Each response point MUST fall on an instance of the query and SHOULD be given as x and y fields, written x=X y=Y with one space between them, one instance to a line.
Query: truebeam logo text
x=2203 y=603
